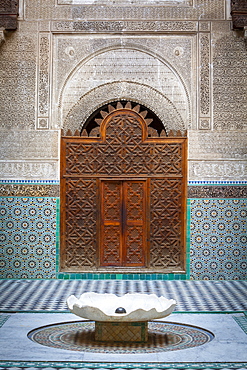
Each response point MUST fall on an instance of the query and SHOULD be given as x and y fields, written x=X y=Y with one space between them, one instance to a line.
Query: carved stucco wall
x=125 y=71
x=181 y=60
x=18 y=74
x=26 y=152
x=78 y=10
x=220 y=153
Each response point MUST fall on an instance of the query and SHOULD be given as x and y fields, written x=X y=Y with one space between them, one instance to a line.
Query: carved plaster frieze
x=26 y=145
x=24 y=190
x=217 y=170
x=126 y=2
x=27 y=170
x=213 y=145
x=126 y=9
x=138 y=93
x=202 y=10
x=124 y=26
x=217 y=191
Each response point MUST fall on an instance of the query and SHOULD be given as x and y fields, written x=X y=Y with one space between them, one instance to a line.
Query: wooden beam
x=9 y=14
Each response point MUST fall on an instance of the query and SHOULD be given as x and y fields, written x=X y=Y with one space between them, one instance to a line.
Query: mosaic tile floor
x=191 y=296
x=229 y=341
x=218 y=306
x=79 y=336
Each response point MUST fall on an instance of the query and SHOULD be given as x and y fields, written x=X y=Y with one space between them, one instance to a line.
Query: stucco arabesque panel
x=29 y=170
x=126 y=90
x=221 y=154
x=217 y=156
x=71 y=50
x=17 y=84
x=37 y=159
x=224 y=170
x=146 y=68
x=230 y=80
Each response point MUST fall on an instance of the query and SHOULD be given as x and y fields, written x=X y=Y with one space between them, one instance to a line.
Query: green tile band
x=89 y=276
x=242 y=322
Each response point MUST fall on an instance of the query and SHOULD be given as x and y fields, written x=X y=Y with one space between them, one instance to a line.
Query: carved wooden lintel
x=239 y=14
x=9 y=14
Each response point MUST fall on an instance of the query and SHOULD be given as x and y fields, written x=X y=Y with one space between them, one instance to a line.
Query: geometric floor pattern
x=79 y=336
x=191 y=296
x=46 y=296
x=181 y=337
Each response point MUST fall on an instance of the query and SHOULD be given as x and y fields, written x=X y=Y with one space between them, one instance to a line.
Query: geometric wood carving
x=239 y=14
x=78 y=224
x=123 y=223
x=166 y=227
x=9 y=14
x=121 y=190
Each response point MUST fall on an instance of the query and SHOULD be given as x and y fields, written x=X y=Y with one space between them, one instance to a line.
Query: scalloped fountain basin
x=132 y=307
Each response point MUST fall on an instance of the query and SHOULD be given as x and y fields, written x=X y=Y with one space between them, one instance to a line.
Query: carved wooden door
x=123 y=195
x=123 y=223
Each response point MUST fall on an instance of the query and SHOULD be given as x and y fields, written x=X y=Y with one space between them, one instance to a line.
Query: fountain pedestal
x=107 y=331
x=121 y=319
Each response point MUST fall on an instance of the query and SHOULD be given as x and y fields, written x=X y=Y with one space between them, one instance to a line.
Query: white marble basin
x=138 y=307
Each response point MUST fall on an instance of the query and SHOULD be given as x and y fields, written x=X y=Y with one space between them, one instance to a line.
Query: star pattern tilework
x=27 y=237
x=218 y=239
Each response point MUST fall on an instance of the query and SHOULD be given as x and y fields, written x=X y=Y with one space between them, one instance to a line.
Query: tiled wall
x=28 y=237
x=217 y=230
x=216 y=234
x=29 y=214
x=218 y=239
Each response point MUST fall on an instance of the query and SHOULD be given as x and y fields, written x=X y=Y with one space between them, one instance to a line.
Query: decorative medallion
x=79 y=336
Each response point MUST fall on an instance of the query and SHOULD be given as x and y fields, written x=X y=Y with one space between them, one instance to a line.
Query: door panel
x=111 y=245
x=111 y=223
x=134 y=207
x=123 y=223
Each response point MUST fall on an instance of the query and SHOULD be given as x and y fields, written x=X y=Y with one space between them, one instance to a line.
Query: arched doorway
x=123 y=183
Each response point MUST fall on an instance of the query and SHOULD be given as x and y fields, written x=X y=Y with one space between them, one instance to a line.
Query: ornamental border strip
x=127 y=365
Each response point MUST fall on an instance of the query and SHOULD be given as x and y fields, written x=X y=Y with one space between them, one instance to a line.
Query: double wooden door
x=123 y=196
x=123 y=229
